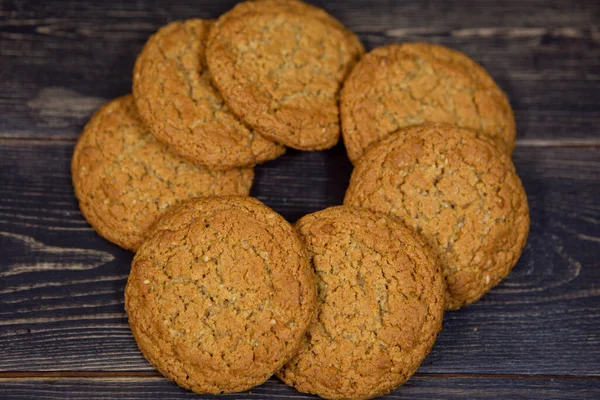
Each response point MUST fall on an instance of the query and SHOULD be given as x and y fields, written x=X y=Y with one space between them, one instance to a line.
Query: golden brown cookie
x=459 y=191
x=380 y=303
x=125 y=180
x=221 y=294
x=176 y=99
x=407 y=84
x=279 y=66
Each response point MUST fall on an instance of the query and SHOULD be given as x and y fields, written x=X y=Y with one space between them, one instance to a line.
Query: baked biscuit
x=280 y=67
x=125 y=180
x=220 y=295
x=380 y=303
x=459 y=191
x=407 y=84
x=176 y=99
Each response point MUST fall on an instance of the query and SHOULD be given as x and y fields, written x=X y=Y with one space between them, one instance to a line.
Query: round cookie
x=280 y=67
x=407 y=84
x=380 y=303
x=177 y=101
x=125 y=180
x=220 y=295
x=459 y=191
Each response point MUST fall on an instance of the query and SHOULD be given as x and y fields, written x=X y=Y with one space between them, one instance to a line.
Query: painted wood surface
x=60 y=61
x=63 y=330
x=420 y=387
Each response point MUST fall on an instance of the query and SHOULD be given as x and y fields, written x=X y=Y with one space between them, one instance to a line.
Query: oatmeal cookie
x=280 y=67
x=380 y=303
x=125 y=179
x=221 y=294
x=407 y=84
x=459 y=191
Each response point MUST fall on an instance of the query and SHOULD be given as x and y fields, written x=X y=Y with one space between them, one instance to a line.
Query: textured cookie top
x=280 y=66
x=459 y=191
x=380 y=301
x=297 y=7
x=408 y=84
x=176 y=99
x=125 y=179
x=220 y=295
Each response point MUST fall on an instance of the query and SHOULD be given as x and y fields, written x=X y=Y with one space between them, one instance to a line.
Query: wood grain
x=60 y=62
x=63 y=330
x=61 y=285
x=419 y=387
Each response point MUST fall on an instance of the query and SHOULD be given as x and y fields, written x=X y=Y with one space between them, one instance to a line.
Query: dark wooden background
x=63 y=330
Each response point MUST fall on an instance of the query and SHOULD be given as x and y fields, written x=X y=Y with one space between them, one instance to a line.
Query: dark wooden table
x=63 y=330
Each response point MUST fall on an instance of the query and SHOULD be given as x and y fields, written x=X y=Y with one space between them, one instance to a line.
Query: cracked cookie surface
x=280 y=66
x=459 y=191
x=407 y=84
x=380 y=301
x=125 y=179
x=298 y=7
x=221 y=294
x=177 y=101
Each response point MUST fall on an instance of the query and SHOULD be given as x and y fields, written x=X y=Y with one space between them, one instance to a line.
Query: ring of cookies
x=346 y=303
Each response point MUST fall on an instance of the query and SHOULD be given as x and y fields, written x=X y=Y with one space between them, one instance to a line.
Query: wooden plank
x=419 y=387
x=544 y=54
x=61 y=285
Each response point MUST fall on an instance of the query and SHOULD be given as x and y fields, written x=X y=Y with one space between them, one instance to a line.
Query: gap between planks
x=521 y=143
x=153 y=374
